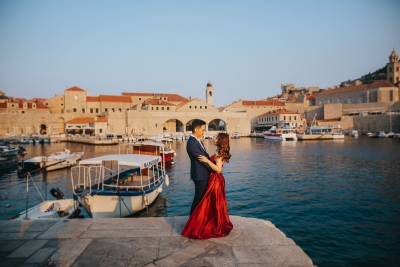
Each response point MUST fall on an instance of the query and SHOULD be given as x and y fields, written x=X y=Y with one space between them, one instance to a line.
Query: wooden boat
x=167 y=153
x=118 y=185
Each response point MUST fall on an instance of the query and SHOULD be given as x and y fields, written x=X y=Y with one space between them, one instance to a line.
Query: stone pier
x=146 y=242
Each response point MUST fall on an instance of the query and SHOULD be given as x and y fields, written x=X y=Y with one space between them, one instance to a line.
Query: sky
x=246 y=49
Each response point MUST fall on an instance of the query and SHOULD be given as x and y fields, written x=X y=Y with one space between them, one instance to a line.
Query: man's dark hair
x=197 y=123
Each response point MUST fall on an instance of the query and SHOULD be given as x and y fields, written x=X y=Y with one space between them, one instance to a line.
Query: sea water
x=339 y=200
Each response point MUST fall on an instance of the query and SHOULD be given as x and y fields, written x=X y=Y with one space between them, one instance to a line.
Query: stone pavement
x=146 y=242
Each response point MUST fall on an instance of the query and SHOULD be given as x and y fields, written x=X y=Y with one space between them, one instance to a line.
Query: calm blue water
x=338 y=200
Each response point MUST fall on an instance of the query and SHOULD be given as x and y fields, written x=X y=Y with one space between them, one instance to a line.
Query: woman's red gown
x=210 y=219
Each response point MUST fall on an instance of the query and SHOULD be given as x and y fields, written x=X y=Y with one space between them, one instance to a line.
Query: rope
x=34 y=185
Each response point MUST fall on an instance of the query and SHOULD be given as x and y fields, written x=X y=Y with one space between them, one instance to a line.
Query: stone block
x=41 y=255
x=27 y=249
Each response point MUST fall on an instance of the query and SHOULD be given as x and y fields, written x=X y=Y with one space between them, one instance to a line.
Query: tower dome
x=209 y=84
x=394 y=57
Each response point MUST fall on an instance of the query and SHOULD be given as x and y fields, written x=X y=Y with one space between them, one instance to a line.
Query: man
x=199 y=171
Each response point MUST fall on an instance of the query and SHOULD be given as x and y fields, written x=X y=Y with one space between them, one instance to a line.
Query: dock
x=149 y=242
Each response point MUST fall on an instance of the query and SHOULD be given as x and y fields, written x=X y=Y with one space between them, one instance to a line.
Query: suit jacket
x=198 y=170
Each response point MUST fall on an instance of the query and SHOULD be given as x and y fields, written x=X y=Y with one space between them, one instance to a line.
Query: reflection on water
x=339 y=200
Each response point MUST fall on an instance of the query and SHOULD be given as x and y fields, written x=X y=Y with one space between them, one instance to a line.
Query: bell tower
x=210 y=94
x=393 y=68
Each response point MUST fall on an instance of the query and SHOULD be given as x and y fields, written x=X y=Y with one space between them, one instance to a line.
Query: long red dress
x=210 y=219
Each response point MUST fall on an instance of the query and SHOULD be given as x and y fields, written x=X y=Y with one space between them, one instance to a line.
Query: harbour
x=332 y=197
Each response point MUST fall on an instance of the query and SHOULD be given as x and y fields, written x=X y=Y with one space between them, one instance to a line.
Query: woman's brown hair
x=223 y=147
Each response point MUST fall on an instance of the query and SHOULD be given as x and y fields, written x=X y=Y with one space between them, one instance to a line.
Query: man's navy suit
x=199 y=171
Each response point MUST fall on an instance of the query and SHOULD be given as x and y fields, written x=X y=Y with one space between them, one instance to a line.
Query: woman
x=210 y=219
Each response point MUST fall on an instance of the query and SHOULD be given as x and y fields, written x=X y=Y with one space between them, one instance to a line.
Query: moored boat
x=167 y=153
x=118 y=185
x=354 y=133
x=50 y=209
x=55 y=161
x=281 y=134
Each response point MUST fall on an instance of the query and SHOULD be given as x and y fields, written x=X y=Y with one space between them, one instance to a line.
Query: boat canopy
x=136 y=160
x=146 y=144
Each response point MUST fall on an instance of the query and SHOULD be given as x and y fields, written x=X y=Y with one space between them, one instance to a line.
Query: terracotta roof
x=262 y=103
x=74 y=88
x=170 y=97
x=87 y=119
x=186 y=102
x=156 y=102
x=92 y=99
x=310 y=97
x=279 y=111
x=115 y=98
x=375 y=84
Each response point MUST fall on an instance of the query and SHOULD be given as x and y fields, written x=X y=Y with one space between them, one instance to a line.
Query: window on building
x=205 y=107
x=390 y=79
x=100 y=130
x=361 y=99
x=97 y=110
x=190 y=106
x=47 y=104
x=284 y=118
x=295 y=118
x=156 y=108
x=74 y=110
x=340 y=100
x=391 y=95
x=62 y=104
x=397 y=68
x=120 y=109
x=106 y=109
x=350 y=100
x=329 y=101
x=397 y=79
x=195 y=107
x=201 y=107
x=83 y=110
x=23 y=111
x=321 y=102
x=140 y=98
x=390 y=69
x=112 y=109
x=91 y=110
x=162 y=108
x=167 y=108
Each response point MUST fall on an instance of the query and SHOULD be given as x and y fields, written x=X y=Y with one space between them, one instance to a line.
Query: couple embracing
x=209 y=212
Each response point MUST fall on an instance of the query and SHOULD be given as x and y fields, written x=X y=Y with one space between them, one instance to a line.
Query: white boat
x=168 y=153
x=50 y=209
x=337 y=132
x=382 y=134
x=280 y=134
x=8 y=151
x=354 y=133
x=55 y=161
x=120 y=185
x=235 y=135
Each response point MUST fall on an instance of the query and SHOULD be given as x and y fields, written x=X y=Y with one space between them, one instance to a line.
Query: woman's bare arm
x=217 y=167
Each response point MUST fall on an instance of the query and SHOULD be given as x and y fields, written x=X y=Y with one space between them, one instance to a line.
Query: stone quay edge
x=149 y=242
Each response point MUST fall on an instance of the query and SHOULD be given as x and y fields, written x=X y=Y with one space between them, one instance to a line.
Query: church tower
x=210 y=94
x=393 y=68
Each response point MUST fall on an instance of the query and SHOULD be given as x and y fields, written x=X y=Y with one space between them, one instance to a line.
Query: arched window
x=210 y=93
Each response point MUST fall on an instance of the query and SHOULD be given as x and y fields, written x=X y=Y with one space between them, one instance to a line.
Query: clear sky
x=247 y=49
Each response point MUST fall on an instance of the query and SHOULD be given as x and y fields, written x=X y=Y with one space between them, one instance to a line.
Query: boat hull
x=116 y=204
x=50 y=210
x=314 y=136
x=280 y=137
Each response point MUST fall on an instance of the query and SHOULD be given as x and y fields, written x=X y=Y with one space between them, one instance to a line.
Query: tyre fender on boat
x=166 y=180
x=145 y=201
x=89 y=200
